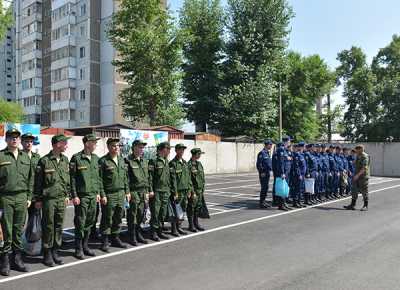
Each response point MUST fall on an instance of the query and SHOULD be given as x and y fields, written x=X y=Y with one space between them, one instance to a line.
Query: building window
x=27 y=84
x=82 y=72
x=82 y=116
x=82 y=95
x=83 y=10
x=82 y=52
x=83 y=30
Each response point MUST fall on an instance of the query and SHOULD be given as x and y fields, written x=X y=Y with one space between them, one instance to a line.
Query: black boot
x=94 y=236
x=351 y=206
x=4 y=265
x=180 y=231
x=78 y=249
x=117 y=243
x=132 y=236
x=18 y=263
x=48 y=258
x=154 y=235
x=139 y=236
x=191 y=226
x=196 y=223
x=307 y=199
x=105 y=246
x=161 y=235
x=174 y=230
x=86 y=250
x=365 y=206
x=57 y=259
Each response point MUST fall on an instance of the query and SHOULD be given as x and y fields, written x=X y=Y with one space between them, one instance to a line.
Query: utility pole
x=280 y=112
x=329 y=119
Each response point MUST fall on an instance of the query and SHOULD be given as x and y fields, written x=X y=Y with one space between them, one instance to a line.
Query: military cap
x=12 y=132
x=301 y=144
x=90 y=137
x=310 y=145
x=196 y=151
x=112 y=140
x=138 y=142
x=332 y=146
x=180 y=146
x=346 y=149
x=59 y=138
x=338 y=147
x=163 y=145
x=286 y=138
x=27 y=136
x=317 y=145
x=323 y=145
x=268 y=142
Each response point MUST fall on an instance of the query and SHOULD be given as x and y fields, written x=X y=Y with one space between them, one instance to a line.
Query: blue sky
x=326 y=27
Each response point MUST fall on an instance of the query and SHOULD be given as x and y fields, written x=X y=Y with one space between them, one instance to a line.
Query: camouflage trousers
x=360 y=186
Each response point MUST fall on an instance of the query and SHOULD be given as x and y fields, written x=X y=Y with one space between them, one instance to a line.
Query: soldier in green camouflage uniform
x=197 y=199
x=85 y=193
x=160 y=184
x=360 y=179
x=27 y=143
x=15 y=195
x=139 y=185
x=51 y=193
x=181 y=185
x=114 y=192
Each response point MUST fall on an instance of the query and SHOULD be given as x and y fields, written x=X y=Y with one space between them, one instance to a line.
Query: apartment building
x=7 y=66
x=64 y=75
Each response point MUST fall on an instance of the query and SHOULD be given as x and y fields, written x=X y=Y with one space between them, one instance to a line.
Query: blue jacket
x=312 y=163
x=339 y=162
x=345 y=162
x=264 y=161
x=325 y=162
x=351 y=159
x=332 y=162
x=278 y=161
x=299 y=167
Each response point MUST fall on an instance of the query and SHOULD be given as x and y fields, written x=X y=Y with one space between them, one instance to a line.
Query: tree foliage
x=10 y=112
x=202 y=27
x=148 y=48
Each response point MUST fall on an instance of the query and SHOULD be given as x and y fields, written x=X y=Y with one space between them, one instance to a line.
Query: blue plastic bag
x=281 y=188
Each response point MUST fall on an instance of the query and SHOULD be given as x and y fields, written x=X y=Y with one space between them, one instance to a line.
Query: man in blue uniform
x=333 y=174
x=278 y=165
x=264 y=167
x=340 y=166
x=325 y=170
x=350 y=161
x=316 y=152
x=311 y=172
x=299 y=168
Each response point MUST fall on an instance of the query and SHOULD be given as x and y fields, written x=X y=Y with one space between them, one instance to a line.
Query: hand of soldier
x=283 y=176
x=76 y=201
x=98 y=198
x=128 y=197
x=28 y=203
x=66 y=201
x=151 y=194
x=338 y=174
x=103 y=200
x=38 y=204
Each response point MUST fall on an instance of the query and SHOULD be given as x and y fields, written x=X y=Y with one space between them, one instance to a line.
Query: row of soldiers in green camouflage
x=50 y=182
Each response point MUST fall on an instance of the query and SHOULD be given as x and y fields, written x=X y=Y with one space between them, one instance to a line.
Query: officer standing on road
x=312 y=167
x=85 y=193
x=196 y=200
x=16 y=182
x=325 y=170
x=114 y=192
x=298 y=174
x=52 y=189
x=360 y=179
x=139 y=185
x=350 y=155
x=27 y=144
x=279 y=163
x=264 y=167
x=181 y=185
x=160 y=182
x=334 y=173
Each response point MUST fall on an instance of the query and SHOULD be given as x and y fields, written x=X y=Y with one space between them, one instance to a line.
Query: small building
x=56 y=131
x=104 y=131
x=173 y=133
x=202 y=136
x=240 y=139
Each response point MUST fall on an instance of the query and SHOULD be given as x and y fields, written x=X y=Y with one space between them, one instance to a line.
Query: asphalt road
x=323 y=247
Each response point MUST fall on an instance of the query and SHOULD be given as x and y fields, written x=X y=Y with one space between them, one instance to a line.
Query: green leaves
x=148 y=48
x=10 y=112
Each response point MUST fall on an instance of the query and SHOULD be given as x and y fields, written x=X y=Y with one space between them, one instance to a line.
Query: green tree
x=257 y=31
x=202 y=27
x=386 y=68
x=359 y=121
x=148 y=48
x=305 y=80
x=10 y=112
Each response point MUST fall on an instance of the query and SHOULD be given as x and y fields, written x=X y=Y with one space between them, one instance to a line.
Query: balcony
x=31 y=55
x=27 y=3
x=31 y=37
x=33 y=73
x=29 y=19
x=65 y=41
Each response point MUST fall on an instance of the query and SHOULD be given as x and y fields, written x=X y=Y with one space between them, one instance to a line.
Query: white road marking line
x=226 y=211
x=217 y=229
x=233 y=181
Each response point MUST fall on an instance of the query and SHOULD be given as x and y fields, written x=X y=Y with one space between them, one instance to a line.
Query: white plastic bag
x=310 y=185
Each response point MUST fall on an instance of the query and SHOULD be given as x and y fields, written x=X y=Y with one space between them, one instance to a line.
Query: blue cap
x=280 y=144
x=286 y=138
x=268 y=142
x=301 y=144
x=309 y=146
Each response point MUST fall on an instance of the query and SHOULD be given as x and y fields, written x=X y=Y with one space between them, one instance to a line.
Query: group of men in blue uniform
x=330 y=167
